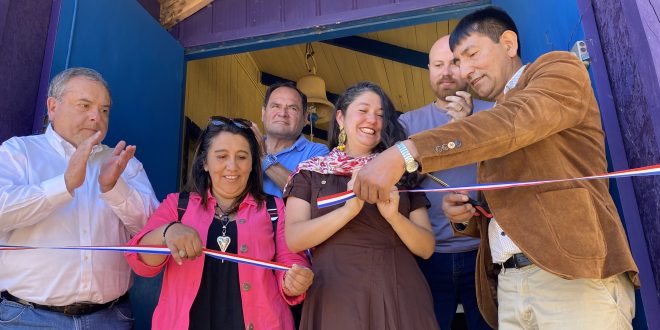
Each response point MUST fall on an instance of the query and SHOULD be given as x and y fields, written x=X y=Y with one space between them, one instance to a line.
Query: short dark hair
x=199 y=180
x=391 y=132
x=287 y=84
x=490 y=21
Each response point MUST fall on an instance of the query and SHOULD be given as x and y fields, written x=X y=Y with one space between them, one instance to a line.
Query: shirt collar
x=299 y=145
x=63 y=146
x=514 y=80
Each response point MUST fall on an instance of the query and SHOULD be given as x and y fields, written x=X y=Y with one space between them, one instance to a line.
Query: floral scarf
x=336 y=162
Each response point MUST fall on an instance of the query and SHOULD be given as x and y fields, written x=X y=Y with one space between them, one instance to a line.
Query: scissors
x=481 y=208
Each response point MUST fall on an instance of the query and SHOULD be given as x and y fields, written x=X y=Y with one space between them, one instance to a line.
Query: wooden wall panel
x=265 y=13
x=224 y=16
x=333 y=6
x=299 y=10
x=227 y=20
x=227 y=86
x=359 y=4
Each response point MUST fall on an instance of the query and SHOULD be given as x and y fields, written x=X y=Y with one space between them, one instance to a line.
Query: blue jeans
x=16 y=316
x=451 y=279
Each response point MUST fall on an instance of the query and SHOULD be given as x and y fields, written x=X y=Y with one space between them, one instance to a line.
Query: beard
x=442 y=92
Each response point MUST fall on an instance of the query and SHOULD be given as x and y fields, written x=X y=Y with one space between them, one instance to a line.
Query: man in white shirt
x=64 y=188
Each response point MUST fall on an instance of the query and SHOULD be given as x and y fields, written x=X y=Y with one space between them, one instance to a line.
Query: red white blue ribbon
x=156 y=250
x=641 y=171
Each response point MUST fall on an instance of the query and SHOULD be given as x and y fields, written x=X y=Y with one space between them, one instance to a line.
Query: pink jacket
x=265 y=306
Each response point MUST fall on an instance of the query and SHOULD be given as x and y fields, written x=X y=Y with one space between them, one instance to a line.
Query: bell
x=314 y=88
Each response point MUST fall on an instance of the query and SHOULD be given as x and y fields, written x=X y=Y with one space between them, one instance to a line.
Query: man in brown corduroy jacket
x=555 y=256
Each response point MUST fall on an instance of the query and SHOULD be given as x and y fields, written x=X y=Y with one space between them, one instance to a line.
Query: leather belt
x=517 y=260
x=75 y=309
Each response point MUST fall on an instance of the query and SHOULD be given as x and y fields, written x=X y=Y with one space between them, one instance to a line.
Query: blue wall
x=544 y=25
x=144 y=67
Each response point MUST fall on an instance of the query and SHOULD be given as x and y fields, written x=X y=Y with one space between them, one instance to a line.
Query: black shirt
x=218 y=301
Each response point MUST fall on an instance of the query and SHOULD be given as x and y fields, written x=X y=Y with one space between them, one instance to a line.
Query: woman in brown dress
x=366 y=276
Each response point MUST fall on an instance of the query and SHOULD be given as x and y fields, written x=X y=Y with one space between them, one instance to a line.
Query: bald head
x=444 y=76
x=439 y=46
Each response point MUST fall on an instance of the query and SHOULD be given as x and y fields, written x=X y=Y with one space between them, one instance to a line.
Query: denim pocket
x=10 y=311
x=123 y=311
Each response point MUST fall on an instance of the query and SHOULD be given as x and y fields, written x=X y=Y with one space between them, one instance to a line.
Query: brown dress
x=364 y=276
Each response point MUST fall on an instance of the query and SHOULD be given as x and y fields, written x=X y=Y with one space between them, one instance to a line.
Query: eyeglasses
x=238 y=122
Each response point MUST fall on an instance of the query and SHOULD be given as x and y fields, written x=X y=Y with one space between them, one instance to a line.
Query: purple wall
x=152 y=7
x=629 y=33
x=226 y=20
x=23 y=32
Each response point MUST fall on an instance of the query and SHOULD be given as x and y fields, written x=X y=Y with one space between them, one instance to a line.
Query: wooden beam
x=175 y=11
x=382 y=49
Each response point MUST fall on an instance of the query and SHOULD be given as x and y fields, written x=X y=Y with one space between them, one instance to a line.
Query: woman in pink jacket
x=226 y=211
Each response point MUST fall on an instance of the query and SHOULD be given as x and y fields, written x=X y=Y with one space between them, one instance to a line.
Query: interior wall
x=227 y=85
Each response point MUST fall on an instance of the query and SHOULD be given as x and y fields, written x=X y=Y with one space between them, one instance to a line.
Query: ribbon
x=151 y=249
x=335 y=199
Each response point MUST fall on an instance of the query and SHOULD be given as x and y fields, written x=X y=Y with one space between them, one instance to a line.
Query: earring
x=342 y=139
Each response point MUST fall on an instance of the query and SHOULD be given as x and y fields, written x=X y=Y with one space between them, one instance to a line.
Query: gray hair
x=58 y=85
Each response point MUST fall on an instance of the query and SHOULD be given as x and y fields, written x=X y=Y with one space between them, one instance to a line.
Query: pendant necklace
x=223 y=240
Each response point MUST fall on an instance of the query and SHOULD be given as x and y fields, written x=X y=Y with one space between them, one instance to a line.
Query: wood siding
x=226 y=20
x=227 y=86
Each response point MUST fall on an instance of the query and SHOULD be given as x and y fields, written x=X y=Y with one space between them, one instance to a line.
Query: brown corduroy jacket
x=547 y=127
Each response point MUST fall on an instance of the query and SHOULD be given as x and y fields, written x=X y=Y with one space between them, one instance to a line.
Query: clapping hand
x=74 y=176
x=114 y=166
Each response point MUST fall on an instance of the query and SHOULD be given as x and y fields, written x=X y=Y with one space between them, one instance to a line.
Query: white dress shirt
x=501 y=246
x=36 y=209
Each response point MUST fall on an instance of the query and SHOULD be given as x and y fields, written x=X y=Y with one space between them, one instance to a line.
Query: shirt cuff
x=55 y=190
x=118 y=194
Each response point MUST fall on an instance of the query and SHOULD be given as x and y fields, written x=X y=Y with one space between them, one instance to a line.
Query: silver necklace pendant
x=224 y=240
x=223 y=243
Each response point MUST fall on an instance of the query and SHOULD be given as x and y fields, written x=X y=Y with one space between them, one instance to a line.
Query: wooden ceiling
x=407 y=86
x=232 y=85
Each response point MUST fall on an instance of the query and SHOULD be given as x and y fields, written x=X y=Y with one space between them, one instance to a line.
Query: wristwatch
x=268 y=161
x=409 y=162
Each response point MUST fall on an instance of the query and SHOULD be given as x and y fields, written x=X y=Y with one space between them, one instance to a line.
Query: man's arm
x=553 y=100
x=280 y=174
x=23 y=204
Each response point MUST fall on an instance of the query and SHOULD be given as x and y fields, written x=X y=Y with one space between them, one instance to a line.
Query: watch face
x=412 y=166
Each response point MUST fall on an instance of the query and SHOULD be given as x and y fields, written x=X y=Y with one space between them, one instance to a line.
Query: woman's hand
x=390 y=209
x=297 y=280
x=184 y=242
x=353 y=204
